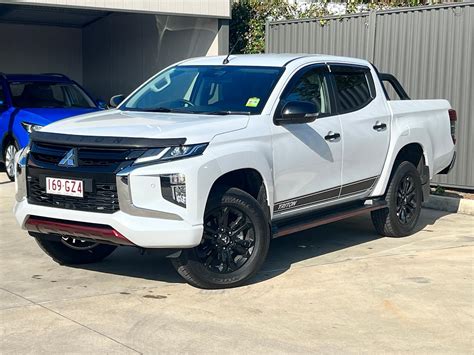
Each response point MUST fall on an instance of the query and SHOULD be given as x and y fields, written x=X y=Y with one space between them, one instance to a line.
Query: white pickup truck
x=213 y=157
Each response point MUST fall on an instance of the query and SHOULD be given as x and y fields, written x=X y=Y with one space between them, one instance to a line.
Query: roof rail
x=3 y=75
x=56 y=74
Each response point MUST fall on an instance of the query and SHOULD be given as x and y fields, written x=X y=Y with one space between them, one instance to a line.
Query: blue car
x=29 y=102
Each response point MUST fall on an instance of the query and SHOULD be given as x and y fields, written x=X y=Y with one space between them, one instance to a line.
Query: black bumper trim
x=450 y=166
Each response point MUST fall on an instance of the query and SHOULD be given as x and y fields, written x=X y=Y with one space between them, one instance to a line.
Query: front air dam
x=91 y=231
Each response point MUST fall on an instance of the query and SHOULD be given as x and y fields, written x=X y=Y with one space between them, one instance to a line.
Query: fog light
x=177 y=179
x=173 y=188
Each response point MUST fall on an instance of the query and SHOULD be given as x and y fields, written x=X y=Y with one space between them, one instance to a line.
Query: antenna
x=226 y=59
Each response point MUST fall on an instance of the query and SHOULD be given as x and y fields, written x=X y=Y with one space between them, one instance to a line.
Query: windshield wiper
x=165 y=109
x=225 y=113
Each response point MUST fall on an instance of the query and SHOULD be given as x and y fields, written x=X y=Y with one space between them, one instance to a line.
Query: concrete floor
x=336 y=288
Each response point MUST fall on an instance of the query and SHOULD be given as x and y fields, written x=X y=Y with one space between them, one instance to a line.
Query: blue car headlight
x=30 y=127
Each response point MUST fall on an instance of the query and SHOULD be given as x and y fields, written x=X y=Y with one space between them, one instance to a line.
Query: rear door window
x=354 y=87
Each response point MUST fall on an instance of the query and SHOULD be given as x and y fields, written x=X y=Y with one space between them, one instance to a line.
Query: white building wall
x=32 y=49
x=212 y=8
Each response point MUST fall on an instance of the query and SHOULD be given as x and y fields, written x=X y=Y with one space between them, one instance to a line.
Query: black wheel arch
x=245 y=179
x=414 y=153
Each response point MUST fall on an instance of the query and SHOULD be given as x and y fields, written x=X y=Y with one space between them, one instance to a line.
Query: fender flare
x=419 y=137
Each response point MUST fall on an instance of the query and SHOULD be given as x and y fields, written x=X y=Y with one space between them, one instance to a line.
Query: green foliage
x=247 y=27
x=439 y=190
x=250 y=16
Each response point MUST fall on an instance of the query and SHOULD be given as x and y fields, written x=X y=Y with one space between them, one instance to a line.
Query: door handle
x=378 y=126
x=331 y=136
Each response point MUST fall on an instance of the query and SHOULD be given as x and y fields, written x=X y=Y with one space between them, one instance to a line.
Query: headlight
x=30 y=127
x=165 y=154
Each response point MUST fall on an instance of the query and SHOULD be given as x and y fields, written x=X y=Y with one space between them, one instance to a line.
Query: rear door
x=365 y=121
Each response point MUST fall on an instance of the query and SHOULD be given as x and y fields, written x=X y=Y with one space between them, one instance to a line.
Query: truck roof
x=270 y=60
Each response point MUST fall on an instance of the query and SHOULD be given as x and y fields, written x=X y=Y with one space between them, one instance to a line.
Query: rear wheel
x=404 y=197
x=71 y=251
x=9 y=158
x=234 y=245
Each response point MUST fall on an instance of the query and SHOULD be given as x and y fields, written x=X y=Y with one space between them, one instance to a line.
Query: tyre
x=72 y=251
x=9 y=158
x=403 y=197
x=234 y=246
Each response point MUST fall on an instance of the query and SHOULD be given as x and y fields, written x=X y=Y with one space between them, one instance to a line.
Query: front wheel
x=235 y=243
x=9 y=158
x=404 y=197
x=72 y=251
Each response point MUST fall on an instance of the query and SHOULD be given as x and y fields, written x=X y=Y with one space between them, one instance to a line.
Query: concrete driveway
x=336 y=288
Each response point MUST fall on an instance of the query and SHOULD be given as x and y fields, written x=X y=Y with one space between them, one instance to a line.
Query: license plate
x=64 y=187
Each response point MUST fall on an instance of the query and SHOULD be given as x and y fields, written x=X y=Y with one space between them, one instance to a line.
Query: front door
x=307 y=157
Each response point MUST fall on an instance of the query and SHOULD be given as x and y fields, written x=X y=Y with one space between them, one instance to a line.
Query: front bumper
x=162 y=226
x=144 y=232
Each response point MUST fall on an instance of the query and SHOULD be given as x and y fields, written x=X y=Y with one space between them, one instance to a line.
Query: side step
x=283 y=228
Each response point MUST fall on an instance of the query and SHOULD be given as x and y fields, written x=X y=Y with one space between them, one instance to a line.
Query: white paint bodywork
x=288 y=167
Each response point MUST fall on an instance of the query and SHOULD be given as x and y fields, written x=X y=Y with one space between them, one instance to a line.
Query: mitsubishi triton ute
x=213 y=157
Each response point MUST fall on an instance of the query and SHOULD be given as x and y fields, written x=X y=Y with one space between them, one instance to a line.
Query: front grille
x=111 y=158
x=102 y=199
x=96 y=167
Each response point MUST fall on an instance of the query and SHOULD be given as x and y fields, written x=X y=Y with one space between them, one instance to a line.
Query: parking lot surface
x=336 y=288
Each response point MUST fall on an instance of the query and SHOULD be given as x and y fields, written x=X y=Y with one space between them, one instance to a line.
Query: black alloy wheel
x=229 y=240
x=234 y=244
x=404 y=197
x=406 y=200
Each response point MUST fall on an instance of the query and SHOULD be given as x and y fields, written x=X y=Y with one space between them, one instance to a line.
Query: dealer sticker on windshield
x=252 y=102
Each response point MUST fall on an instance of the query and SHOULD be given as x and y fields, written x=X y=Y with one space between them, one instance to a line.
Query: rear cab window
x=353 y=86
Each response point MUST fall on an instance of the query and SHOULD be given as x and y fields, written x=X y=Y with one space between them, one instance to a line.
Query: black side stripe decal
x=325 y=195
x=358 y=186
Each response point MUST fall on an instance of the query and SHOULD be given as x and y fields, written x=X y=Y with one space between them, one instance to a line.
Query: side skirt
x=309 y=221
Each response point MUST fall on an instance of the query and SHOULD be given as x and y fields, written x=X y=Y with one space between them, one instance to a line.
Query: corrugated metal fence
x=430 y=49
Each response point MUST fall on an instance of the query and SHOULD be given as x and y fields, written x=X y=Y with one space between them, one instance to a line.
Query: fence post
x=372 y=25
x=267 y=36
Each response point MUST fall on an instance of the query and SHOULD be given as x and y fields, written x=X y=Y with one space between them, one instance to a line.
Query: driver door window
x=311 y=86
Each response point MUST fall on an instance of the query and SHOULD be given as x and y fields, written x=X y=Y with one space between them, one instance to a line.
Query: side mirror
x=116 y=100
x=297 y=112
x=3 y=105
x=101 y=104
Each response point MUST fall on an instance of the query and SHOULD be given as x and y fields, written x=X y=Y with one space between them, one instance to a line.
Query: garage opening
x=108 y=52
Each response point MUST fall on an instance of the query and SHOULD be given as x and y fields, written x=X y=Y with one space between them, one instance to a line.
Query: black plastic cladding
x=103 y=142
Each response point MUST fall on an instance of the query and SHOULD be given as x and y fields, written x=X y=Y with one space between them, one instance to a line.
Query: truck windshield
x=207 y=90
x=40 y=94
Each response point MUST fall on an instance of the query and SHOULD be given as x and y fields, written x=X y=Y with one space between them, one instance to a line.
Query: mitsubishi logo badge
x=70 y=159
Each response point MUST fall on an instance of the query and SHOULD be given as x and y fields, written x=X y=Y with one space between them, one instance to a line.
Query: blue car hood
x=49 y=115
